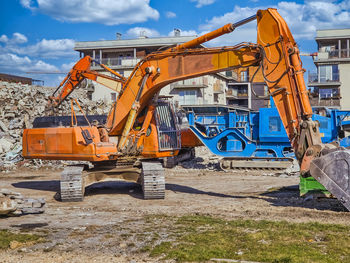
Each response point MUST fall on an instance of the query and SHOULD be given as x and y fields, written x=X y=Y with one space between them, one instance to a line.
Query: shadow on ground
x=120 y=187
x=283 y=197
x=289 y=196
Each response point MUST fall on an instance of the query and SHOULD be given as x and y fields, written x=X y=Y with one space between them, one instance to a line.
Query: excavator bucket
x=332 y=170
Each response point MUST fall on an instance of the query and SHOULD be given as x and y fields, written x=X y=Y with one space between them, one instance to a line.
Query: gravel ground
x=112 y=223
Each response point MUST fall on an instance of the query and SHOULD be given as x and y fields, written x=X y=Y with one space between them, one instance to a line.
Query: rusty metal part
x=311 y=153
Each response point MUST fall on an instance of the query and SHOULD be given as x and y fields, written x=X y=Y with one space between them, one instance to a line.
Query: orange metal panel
x=189 y=139
x=66 y=143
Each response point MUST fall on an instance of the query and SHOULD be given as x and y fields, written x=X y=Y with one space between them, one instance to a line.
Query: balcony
x=231 y=93
x=201 y=82
x=327 y=102
x=324 y=80
x=342 y=54
x=237 y=94
x=218 y=88
x=117 y=62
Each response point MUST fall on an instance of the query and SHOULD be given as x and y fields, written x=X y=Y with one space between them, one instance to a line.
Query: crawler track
x=153 y=180
x=255 y=163
x=72 y=184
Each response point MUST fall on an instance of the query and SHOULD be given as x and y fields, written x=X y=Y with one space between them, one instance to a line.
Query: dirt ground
x=104 y=227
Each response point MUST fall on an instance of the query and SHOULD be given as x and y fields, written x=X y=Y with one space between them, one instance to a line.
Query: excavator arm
x=283 y=73
x=80 y=71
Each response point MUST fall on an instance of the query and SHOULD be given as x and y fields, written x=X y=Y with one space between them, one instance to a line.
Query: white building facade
x=122 y=55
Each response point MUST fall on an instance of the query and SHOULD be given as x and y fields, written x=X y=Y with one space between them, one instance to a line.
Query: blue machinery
x=244 y=137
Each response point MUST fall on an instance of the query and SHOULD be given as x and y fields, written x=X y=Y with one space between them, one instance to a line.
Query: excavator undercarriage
x=149 y=173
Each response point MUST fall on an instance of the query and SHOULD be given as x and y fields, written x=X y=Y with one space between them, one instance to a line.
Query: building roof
x=127 y=43
x=332 y=34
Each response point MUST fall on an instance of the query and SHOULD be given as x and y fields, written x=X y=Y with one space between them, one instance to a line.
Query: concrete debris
x=13 y=203
x=5 y=145
x=207 y=160
x=20 y=104
x=294 y=168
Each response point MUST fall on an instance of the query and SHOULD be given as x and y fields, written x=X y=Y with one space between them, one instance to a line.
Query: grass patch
x=200 y=238
x=6 y=237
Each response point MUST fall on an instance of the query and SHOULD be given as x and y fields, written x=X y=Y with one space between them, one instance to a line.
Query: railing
x=312 y=77
x=333 y=54
x=236 y=93
x=231 y=92
x=315 y=78
x=123 y=62
x=242 y=93
x=194 y=82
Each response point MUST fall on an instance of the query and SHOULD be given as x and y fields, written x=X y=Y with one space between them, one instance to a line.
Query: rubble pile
x=204 y=160
x=20 y=104
x=13 y=203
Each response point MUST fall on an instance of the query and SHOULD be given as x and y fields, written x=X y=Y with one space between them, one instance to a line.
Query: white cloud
x=68 y=66
x=26 y=3
x=246 y=33
x=19 y=58
x=13 y=63
x=184 y=33
x=49 y=48
x=4 y=39
x=108 y=12
x=45 y=48
x=201 y=3
x=170 y=14
x=302 y=19
x=19 y=38
x=142 y=31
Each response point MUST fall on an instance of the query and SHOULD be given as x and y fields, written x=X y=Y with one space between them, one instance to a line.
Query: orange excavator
x=140 y=128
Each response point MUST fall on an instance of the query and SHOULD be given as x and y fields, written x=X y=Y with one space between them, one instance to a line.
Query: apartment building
x=330 y=85
x=245 y=92
x=123 y=54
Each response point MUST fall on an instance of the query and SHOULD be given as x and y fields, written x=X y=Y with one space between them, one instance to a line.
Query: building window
x=228 y=73
x=328 y=73
x=328 y=93
x=244 y=76
x=216 y=98
x=188 y=97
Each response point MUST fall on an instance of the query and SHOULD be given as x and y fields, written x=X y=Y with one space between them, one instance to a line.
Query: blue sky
x=39 y=35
